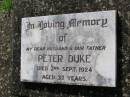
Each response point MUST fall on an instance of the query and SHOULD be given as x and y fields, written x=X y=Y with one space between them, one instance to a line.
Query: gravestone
x=76 y=49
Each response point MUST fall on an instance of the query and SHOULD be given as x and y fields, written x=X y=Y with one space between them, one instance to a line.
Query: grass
x=6 y=5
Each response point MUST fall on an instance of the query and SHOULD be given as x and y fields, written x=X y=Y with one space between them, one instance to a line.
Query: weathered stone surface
x=76 y=49
x=10 y=32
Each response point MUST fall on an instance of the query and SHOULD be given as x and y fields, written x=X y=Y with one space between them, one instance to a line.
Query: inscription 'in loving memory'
x=72 y=23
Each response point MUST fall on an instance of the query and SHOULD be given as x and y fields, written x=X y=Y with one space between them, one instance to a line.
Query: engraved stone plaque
x=75 y=49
